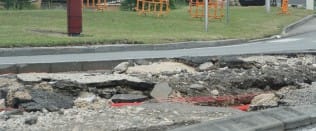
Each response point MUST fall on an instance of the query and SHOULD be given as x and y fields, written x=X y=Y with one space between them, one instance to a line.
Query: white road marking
x=284 y=40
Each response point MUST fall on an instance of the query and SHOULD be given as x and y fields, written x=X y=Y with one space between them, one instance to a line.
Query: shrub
x=129 y=5
x=17 y=4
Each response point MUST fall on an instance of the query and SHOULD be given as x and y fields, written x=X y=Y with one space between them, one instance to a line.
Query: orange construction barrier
x=284 y=7
x=156 y=7
x=98 y=5
x=215 y=8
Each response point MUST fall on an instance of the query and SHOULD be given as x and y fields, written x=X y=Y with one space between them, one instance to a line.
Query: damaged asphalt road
x=161 y=95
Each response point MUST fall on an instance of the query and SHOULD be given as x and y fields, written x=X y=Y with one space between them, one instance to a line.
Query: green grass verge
x=48 y=27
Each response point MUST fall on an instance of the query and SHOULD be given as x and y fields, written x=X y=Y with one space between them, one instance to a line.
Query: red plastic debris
x=173 y=99
x=125 y=104
x=242 y=107
x=201 y=99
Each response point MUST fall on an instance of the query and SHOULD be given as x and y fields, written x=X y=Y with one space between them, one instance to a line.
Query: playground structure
x=100 y=5
x=156 y=7
x=215 y=8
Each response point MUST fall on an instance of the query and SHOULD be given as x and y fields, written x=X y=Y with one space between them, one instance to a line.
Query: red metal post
x=74 y=15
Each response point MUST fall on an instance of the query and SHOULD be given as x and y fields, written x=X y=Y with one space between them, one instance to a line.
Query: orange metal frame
x=156 y=7
x=215 y=8
x=98 y=5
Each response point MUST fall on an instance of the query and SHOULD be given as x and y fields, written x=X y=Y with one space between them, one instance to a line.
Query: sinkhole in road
x=260 y=80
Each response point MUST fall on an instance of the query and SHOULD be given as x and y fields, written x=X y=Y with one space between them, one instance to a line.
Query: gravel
x=140 y=117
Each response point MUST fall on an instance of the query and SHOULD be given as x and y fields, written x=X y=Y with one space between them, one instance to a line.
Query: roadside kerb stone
x=28 y=51
x=57 y=67
x=309 y=110
x=290 y=117
x=62 y=66
x=254 y=121
x=100 y=65
x=67 y=66
x=39 y=67
x=276 y=119
x=8 y=68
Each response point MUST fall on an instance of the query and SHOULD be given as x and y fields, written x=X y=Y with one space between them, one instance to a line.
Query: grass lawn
x=48 y=27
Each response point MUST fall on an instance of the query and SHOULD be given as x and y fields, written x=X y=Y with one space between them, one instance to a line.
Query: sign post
x=227 y=11
x=74 y=17
x=206 y=15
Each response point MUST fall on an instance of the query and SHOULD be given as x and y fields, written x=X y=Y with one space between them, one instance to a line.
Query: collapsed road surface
x=156 y=94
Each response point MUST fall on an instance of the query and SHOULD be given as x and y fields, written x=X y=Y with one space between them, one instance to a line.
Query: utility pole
x=206 y=15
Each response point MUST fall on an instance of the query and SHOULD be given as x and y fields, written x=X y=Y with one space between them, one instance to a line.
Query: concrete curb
x=278 y=119
x=296 y=24
x=57 y=67
x=62 y=66
x=113 y=48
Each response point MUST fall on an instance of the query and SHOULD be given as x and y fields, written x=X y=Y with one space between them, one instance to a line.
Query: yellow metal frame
x=98 y=5
x=156 y=7
x=215 y=8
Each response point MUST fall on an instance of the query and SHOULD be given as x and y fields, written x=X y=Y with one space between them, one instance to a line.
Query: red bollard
x=74 y=14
